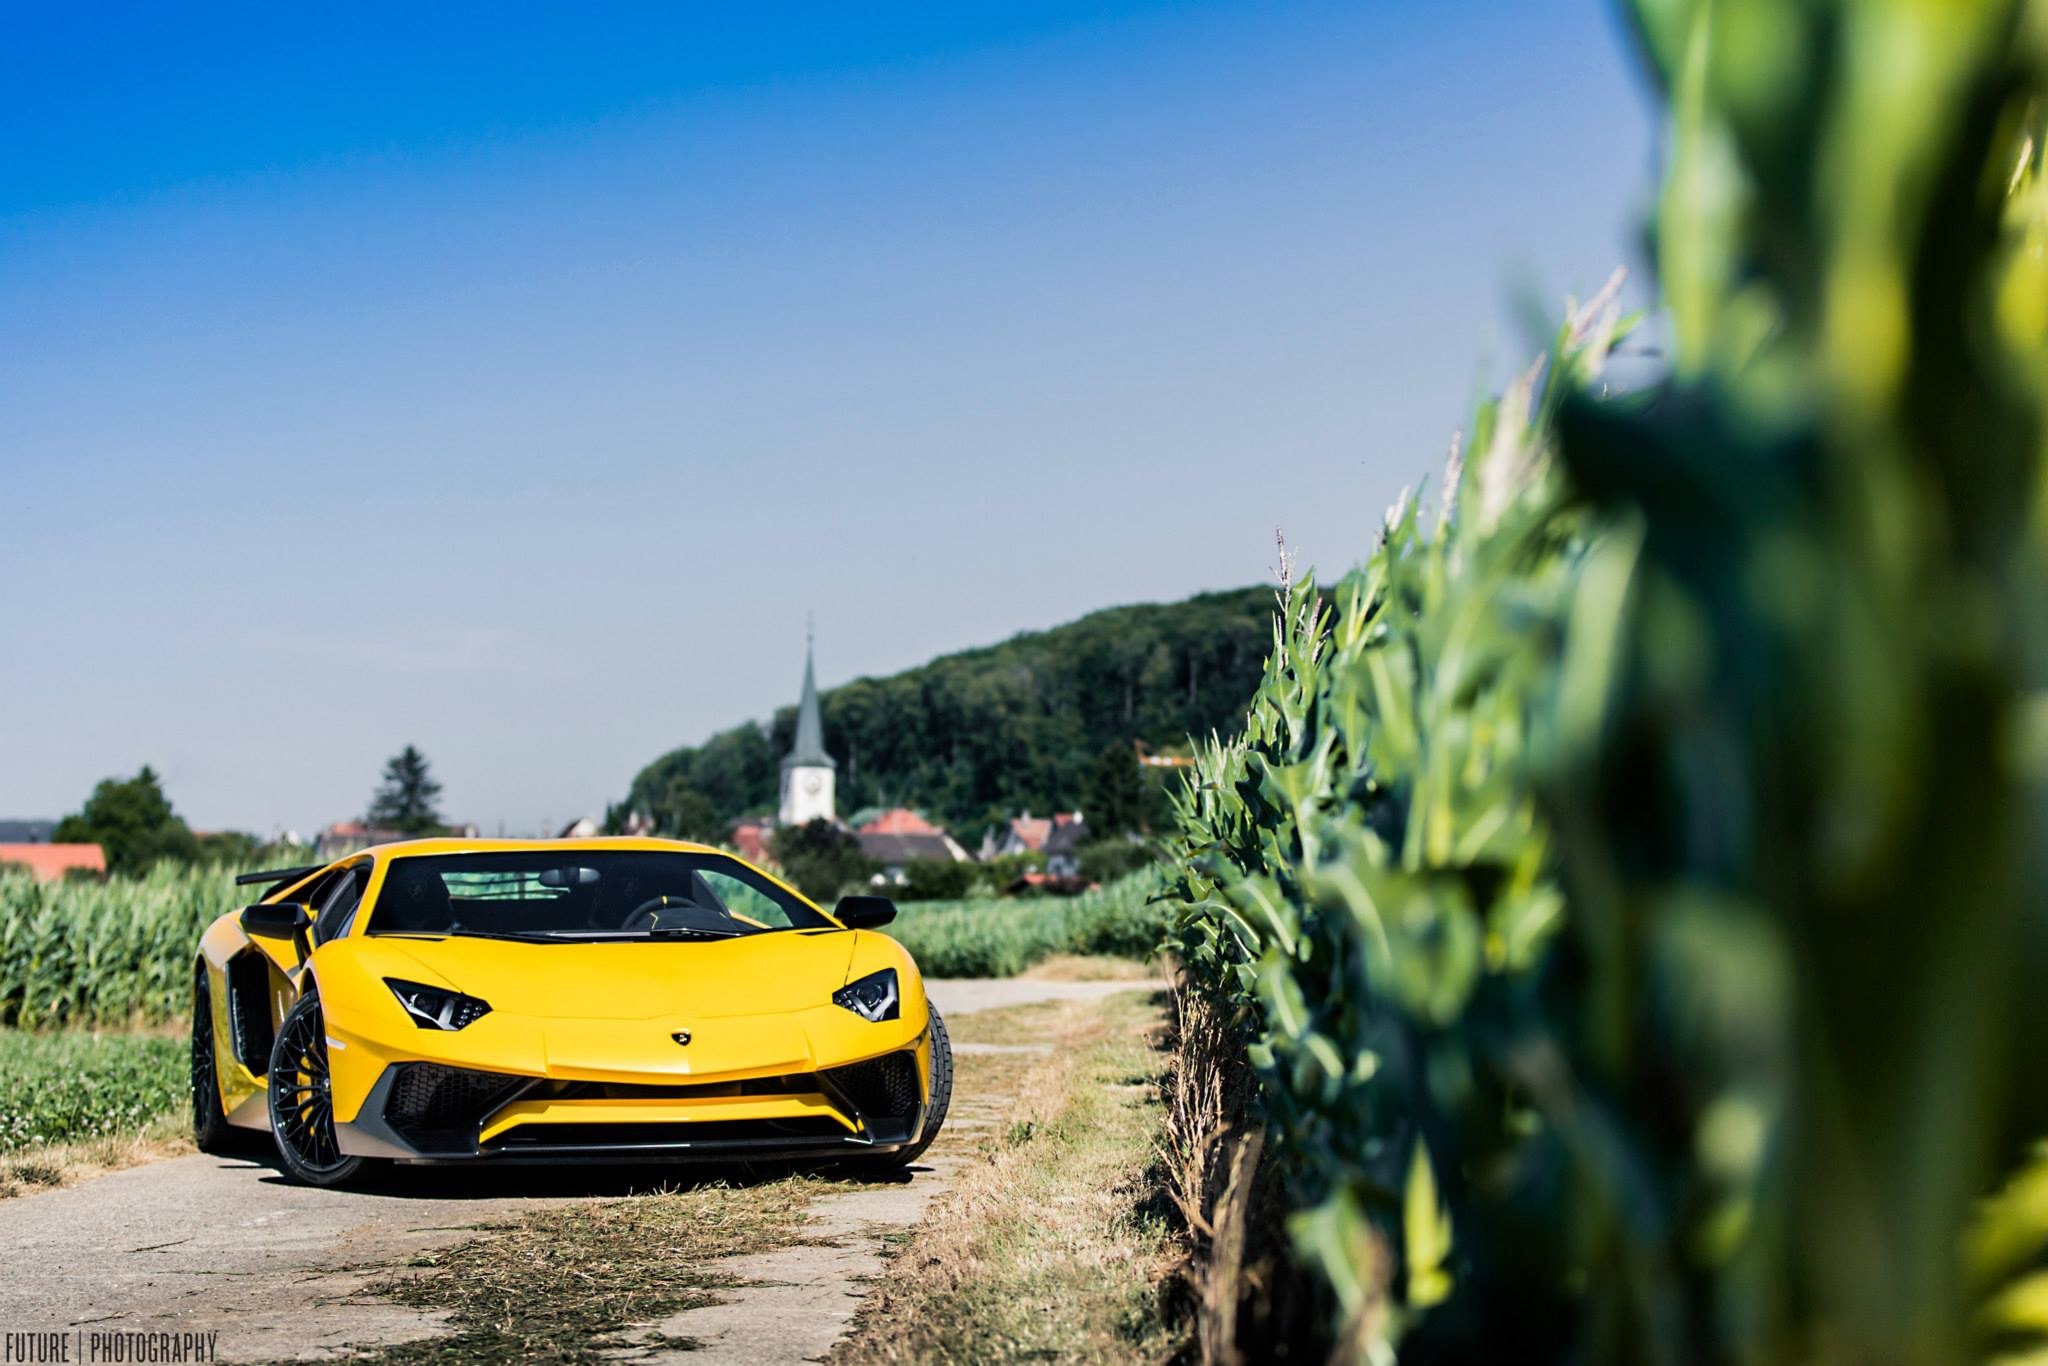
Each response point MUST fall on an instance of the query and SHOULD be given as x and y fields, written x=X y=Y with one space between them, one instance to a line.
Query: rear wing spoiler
x=276 y=877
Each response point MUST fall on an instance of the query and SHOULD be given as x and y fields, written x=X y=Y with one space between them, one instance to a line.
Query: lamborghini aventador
x=508 y=1001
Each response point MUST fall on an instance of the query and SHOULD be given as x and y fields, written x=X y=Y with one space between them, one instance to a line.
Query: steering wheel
x=681 y=913
x=649 y=906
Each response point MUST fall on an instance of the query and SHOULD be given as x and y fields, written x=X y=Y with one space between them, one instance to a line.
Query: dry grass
x=1049 y=1247
x=565 y=1285
x=52 y=1165
x=1034 y=1023
x=1092 y=967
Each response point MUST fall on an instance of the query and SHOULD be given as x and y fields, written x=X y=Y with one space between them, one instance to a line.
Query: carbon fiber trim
x=437 y=1108
x=880 y=1088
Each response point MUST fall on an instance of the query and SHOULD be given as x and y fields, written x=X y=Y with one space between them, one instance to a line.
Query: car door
x=337 y=911
x=333 y=899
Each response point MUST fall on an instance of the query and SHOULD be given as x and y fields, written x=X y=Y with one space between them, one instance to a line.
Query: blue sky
x=512 y=380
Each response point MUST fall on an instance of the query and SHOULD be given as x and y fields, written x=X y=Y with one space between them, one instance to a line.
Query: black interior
x=570 y=893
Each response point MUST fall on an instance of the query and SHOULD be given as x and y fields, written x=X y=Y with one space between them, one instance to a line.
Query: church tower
x=807 y=771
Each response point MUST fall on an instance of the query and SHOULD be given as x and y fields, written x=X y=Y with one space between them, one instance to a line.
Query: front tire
x=935 y=1112
x=302 y=1100
x=942 y=1087
x=211 y=1132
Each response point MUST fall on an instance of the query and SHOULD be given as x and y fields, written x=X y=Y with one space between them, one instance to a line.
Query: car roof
x=452 y=845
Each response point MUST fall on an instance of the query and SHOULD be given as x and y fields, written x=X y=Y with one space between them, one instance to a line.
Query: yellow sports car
x=564 y=1000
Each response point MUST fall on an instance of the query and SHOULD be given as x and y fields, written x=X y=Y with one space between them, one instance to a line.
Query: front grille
x=795 y=1083
x=880 y=1088
x=765 y=1132
x=429 y=1099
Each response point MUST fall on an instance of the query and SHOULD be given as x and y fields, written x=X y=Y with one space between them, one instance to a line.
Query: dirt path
x=199 y=1244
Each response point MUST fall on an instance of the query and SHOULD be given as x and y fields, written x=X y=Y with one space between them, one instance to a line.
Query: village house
x=899 y=837
x=343 y=838
x=1025 y=834
x=751 y=838
x=1063 y=847
x=51 y=861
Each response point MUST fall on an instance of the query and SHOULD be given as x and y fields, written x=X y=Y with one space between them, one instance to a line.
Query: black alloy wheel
x=210 y=1130
x=302 y=1100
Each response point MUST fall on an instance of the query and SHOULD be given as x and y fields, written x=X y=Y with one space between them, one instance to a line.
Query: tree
x=1008 y=726
x=1114 y=799
x=936 y=879
x=132 y=822
x=1109 y=859
x=230 y=848
x=685 y=813
x=405 y=801
x=821 y=859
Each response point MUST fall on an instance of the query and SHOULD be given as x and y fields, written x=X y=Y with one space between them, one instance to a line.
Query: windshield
x=582 y=894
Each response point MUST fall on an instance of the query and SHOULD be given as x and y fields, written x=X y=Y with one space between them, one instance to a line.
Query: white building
x=808 y=771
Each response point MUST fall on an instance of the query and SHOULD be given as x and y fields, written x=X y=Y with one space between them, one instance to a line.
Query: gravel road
x=203 y=1244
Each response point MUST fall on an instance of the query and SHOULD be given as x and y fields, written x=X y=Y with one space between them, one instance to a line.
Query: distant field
x=68 y=1087
x=996 y=938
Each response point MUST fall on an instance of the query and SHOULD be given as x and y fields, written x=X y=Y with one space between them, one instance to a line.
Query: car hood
x=630 y=980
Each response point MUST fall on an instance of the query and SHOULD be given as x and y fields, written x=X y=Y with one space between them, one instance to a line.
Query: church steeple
x=808 y=770
x=809 y=749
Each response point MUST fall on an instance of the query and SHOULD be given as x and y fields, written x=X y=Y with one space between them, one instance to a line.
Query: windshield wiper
x=673 y=931
x=458 y=932
x=586 y=934
x=599 y=936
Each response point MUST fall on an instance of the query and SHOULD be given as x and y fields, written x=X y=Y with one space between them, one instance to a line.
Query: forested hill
x=991 y=730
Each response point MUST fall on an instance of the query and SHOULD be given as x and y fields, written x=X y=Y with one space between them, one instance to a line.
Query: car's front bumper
x=517 y=1085
x=430 y=1112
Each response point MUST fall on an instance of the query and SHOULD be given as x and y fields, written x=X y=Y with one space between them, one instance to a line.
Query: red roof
x=899 y=820
x=51 y=861
x=751 y=839
x=1032 y=831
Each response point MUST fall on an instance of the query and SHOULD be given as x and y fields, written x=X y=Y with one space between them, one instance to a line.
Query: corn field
x=1000 y=938
x=104 y=953
x=1630 y=883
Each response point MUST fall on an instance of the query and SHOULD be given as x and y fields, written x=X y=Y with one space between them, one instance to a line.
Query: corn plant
x=1635 y=882
x=1794 y=774
x=104 y=953
x=1367 y=868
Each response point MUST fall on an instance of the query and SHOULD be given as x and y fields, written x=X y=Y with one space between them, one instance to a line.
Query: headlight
x=873 y=997
x=437 y=1007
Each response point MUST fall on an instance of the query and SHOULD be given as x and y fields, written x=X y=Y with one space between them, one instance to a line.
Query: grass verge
x=1093 y=967
x=48 y=1165
x=75 y=1104
x=1053 y=1246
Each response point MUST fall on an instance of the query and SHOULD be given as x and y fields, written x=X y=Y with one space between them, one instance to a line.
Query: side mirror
x=278 y=919
x=864 y=912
